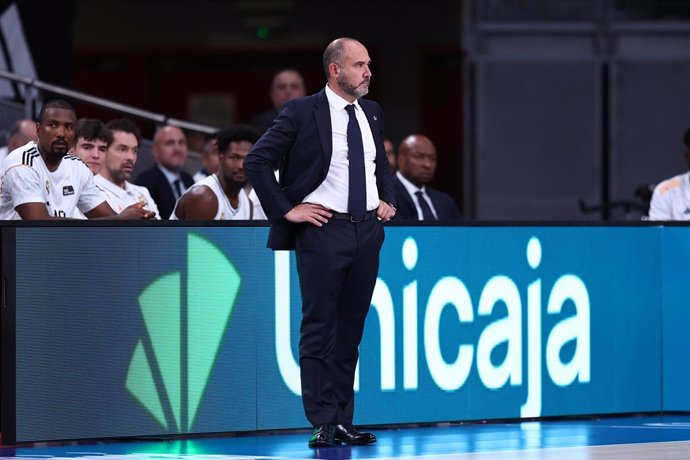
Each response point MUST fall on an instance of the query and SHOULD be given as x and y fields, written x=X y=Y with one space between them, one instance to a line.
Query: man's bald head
x=170 y=148
x=417 y=159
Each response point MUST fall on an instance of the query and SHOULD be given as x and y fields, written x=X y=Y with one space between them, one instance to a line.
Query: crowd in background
x=218 y=191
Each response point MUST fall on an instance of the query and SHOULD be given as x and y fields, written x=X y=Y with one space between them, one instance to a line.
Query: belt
x=345 y=216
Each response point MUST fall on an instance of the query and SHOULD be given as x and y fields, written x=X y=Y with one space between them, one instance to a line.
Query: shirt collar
x=171 y=176
x=409 y=186
x=337 y=103
x=111 y=187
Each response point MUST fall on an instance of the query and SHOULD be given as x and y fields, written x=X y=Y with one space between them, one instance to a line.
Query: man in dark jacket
x=166 y=180
x=334 y=194
x=416 y=169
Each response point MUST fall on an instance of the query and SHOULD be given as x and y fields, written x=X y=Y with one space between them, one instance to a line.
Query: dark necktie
x=178 y=188
x=357 y=198
x=426 y=210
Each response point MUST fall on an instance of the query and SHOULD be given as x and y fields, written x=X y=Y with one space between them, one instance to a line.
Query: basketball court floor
x=654 y=437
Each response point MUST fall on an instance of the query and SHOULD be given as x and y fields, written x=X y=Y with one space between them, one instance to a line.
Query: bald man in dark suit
x=334 y=194
x=166 y=180
x=416 y=168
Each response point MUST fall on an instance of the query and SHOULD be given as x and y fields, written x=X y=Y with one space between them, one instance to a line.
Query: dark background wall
x=576 y=106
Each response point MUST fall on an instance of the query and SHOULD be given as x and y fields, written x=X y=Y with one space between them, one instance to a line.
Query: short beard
x=120 y=177
x=232 y=183
x=353 y=91
x=60 y=153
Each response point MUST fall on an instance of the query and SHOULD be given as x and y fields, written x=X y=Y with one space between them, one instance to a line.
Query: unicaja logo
x=531 y=347
x=185 y=320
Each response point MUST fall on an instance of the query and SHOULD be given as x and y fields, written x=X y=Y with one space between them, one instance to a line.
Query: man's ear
x=333 y=69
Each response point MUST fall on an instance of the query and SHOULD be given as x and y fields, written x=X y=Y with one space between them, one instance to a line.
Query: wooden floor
x=624 y=438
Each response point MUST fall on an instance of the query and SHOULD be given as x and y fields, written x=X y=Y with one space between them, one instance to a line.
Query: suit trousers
x=338 y=265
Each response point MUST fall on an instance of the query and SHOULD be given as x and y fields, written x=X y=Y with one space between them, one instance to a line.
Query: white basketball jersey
x=26 y=179
x=225 y=210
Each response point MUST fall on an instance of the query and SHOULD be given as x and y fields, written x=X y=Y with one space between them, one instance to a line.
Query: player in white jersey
x=243 y=210
x=221 y=196
x=42 y=180
x=258 y=213
x=671 y=198
x=120 y=159
x=28 y=180
x=120 y=197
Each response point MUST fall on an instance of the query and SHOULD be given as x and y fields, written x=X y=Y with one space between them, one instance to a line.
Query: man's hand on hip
x=314 y=214
x=385 y=212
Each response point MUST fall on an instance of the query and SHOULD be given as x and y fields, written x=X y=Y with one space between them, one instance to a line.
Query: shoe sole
x=321 y=444
x=362 y=443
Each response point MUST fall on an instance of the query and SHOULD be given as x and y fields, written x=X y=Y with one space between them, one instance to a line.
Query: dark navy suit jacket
x=160 y=189
x=445 y=206
x=300 y=144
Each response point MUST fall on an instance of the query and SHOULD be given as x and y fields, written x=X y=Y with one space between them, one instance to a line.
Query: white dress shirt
x=333 y=191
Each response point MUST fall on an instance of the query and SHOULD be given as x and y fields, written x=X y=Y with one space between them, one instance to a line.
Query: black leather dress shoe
x=348 y=434
x=322 y=436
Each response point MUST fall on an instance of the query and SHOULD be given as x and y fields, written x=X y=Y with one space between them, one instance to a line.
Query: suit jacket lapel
x=373 y=122
x=322 y=115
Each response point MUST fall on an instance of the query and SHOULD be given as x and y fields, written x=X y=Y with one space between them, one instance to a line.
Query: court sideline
x=657 y=437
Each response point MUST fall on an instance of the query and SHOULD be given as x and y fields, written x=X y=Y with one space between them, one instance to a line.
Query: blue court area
x=630 y=437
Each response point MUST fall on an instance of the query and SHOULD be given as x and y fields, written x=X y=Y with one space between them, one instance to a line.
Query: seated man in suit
x=166 y=180
x=416 y=169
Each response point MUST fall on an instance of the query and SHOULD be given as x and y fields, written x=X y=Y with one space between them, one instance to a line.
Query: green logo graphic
x=171 y=367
